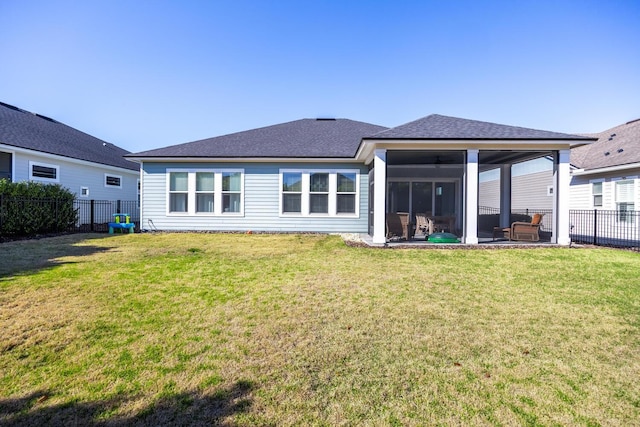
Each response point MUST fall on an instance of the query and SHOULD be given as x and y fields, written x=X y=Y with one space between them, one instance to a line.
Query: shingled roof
x=436 y=126
x=305 y=138
x=615 y=147
x=23 y=129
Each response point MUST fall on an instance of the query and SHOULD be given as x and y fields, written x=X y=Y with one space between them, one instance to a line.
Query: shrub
x=28 y=208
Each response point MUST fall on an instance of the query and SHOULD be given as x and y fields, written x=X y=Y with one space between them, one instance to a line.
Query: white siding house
x=37 y=148
x=606 y=182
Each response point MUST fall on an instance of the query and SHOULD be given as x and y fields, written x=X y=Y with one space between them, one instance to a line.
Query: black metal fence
x=606 y=228
x=92 y=215
x=95 y=215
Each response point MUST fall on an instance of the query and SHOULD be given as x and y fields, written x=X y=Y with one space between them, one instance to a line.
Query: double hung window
x=319 y=192
x=625 y=200
x=205 y=192
x=596 y=193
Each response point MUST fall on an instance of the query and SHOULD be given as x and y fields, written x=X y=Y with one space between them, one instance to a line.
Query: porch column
x=505 y=195
x=561 y=205
x=471 y=202
x=379 y=195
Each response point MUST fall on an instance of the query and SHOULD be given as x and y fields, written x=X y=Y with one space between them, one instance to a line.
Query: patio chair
x=398 y=225
x=424 y=223
x=524 y=230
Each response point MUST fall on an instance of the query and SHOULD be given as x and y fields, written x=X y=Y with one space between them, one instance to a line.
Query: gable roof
x=436 y=126
x=22 y=129
x=305 y=138
x=615 y=147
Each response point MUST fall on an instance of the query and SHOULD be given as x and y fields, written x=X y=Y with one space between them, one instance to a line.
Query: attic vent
x=632 y=121
x=620 y=150
x=606 y=153
x=326 y=119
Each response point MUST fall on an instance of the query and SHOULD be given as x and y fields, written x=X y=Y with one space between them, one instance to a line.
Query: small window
x=549 y=190
x=291 y=192
x=112 y=181
x=84 y=191
x=44 y=172
x=596 y=194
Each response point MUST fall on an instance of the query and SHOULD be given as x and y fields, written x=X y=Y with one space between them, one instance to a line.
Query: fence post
x=92 y=212
x=595 y=227
x=118 y=207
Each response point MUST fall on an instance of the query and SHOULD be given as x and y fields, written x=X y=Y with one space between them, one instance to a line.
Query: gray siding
x=74 y=175
x=527 y=192
x=261 y=201
x=581 y=197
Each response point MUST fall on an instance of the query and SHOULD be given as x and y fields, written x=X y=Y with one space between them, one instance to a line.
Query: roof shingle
x=615 y=147
x=436 y=126
x=305 y=138
x=20 y=128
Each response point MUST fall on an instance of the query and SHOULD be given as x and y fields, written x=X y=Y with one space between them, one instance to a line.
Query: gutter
x=580 y=172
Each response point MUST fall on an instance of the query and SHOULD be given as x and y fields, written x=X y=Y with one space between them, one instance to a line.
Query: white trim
x=59 y=158
x=191 y=192
x=243 y=159
x=617 y=168
x=110 y=175
x=82 y=192
x=44 y=165
x=332 y=193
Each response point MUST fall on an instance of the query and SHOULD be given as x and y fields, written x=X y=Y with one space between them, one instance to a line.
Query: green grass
x=161 y=329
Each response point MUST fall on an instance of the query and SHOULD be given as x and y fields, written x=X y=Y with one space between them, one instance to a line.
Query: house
x=340 y=175
x=606 y=178
x=37 y=148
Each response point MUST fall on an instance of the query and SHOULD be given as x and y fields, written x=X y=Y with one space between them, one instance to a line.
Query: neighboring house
x=339 y=175
x=37 y=148
x=606 y=177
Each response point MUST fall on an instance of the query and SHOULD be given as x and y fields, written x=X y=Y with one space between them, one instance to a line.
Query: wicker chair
x=424 y=223
x=398 y=225
x=528 y=231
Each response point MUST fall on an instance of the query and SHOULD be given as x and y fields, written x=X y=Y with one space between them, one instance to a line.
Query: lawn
x=235 y=329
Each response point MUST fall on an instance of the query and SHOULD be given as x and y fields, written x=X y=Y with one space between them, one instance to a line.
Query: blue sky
x=146 y=74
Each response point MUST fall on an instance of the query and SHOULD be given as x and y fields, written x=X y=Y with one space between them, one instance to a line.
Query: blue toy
x=119 y=225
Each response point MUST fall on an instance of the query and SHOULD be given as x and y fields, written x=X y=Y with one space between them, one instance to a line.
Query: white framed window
x=44 y=172
x=550 y=190
x=291 y=192
x=84 y=191
x=208 y=192
x=319 y=192
x=112 y=181
x=597 y=192
x=625 y=198
x=205 y=191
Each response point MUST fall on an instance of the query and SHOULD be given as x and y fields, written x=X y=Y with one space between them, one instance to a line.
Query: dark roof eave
x=479 y=139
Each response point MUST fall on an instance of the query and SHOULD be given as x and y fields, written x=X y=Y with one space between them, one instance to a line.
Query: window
x=84 y=191
x=112 y=181
x=178 y=192
x=346 y=193
x=205 y=191
x=596 y=193
x=44 y=172
x=625 y=200
x=319 y=192
x=231 y=191
x=291 y=192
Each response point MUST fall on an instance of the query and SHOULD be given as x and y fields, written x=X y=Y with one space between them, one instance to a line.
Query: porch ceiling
x=487 y=159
